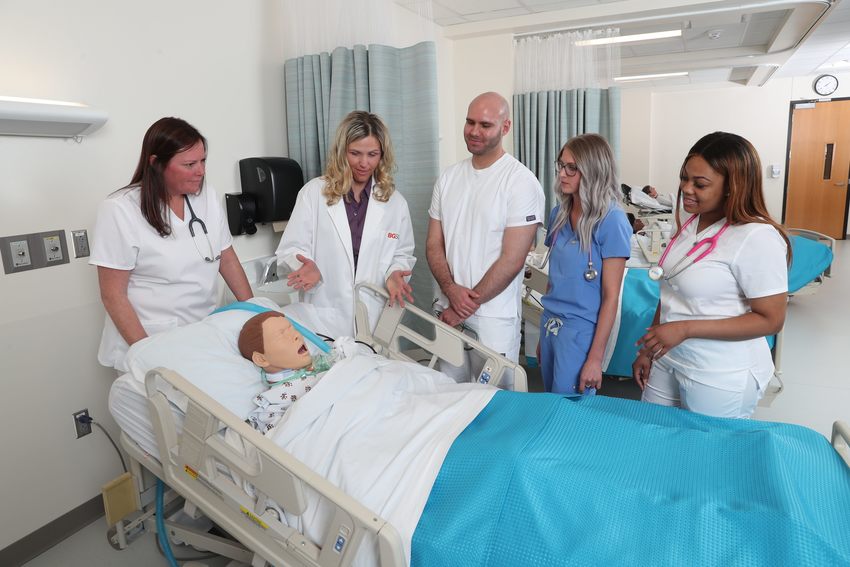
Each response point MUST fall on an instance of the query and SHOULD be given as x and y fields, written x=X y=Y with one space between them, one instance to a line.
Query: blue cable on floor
x=160 y=524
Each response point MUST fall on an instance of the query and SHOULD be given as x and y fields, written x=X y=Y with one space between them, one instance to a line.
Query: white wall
x=481 y=64
x=216 y=64
x=660 y=125
x=759 y=114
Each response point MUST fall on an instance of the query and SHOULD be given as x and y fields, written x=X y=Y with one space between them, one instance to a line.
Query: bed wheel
x=112 y=538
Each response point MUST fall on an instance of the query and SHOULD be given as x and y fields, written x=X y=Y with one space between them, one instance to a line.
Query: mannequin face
x=284 y=347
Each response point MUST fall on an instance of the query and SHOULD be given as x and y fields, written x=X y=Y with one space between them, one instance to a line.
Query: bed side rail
x=392 y=331
x=841 y=440
x=817 y=237
x=192 y=466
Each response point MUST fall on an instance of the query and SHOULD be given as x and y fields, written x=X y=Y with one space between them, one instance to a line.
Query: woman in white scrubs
x=350 y=226
x=724 y=283
x=160 y=243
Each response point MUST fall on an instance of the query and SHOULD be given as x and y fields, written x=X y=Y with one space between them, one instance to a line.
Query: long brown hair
x=738 y=162
x=165 y=138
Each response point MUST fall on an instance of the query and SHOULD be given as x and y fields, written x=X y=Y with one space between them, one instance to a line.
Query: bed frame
x=191 y=460
x=829 y=242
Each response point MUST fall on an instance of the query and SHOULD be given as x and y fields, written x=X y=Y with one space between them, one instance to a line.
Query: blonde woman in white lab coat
x=350 y=226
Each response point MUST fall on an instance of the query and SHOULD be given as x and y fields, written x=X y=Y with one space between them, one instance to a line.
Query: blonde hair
x=598 y=190
x=338 y=179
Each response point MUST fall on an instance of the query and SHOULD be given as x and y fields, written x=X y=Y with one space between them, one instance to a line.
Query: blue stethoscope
x=212 y=257
x=658 y=272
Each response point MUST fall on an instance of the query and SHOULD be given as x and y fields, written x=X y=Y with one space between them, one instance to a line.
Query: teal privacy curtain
x=400 y=85
x=545 y=120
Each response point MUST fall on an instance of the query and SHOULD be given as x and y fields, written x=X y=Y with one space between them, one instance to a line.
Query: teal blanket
x=538 y=479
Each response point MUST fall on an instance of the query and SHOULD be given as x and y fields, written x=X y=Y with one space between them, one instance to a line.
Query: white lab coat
x=322 y=234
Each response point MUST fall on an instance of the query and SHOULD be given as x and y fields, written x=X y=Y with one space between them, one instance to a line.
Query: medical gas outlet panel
x=24 y=252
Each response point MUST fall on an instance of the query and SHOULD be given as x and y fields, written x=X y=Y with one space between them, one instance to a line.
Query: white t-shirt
x=170 y=282
x=475 y=206
x=748 y=263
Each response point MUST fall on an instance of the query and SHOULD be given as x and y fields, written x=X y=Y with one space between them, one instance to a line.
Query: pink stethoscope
x=657 y=272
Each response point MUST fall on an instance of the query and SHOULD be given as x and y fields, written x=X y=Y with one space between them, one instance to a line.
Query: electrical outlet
x=81 y=243
x=81 y=428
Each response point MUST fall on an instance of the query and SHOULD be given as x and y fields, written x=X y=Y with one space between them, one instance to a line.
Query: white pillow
x=206 y=354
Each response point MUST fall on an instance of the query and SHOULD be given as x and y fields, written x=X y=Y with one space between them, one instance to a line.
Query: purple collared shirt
x=356 y=213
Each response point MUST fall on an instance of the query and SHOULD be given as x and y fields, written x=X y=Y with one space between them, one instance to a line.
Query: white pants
x=498 y=333
x=710 y=392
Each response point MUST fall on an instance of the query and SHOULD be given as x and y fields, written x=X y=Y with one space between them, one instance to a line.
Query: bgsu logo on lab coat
x=393 y=235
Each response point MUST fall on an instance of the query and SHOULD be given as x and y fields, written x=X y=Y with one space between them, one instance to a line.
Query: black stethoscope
x=590 y=273
x=212 y=257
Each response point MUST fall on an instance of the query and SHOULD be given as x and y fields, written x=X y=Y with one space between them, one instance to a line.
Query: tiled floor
x=814 y=370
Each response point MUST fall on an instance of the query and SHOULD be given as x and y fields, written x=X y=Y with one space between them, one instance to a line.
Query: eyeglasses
x=570 y=169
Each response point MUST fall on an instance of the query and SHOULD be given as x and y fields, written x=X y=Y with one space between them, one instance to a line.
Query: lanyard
x=658 y=272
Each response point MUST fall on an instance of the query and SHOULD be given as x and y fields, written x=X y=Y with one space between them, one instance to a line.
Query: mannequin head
x=271 y=342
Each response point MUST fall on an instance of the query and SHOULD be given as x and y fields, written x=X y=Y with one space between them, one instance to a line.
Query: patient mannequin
x=289 y=370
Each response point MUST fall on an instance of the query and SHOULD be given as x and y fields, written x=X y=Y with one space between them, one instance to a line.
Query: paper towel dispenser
x=270 y=186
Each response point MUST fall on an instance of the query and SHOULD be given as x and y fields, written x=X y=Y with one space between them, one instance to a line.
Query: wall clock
x=825 y=85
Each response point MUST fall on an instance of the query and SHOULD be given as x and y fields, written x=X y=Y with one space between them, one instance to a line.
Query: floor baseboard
x=54 y=532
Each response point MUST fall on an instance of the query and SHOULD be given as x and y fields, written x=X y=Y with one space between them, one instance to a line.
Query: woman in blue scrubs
x=588 y=240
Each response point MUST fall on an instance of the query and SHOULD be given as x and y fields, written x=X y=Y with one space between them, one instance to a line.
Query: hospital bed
x=497 y=483
x=161 y=413
x=472 y=491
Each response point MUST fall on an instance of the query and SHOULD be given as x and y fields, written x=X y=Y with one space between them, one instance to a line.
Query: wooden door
x=819 y=168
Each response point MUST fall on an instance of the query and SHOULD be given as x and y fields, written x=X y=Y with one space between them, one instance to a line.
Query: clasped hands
x=655 y=343
x=463 y=302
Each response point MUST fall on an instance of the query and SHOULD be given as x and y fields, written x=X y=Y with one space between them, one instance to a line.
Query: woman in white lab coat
x=161 y=242
x=350 y=226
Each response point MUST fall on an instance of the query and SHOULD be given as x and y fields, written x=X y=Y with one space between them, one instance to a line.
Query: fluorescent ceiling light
x=649 y=77
x=836 y=64
x=629 y=38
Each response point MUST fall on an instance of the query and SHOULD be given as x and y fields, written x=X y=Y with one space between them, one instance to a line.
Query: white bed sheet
x=380 y=430
x=128 y=405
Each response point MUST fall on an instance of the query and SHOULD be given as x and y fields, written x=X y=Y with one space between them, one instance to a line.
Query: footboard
x=201 y=466
x=402 y=330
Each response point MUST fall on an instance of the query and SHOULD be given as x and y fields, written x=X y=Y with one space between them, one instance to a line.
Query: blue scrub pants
x=564 y=344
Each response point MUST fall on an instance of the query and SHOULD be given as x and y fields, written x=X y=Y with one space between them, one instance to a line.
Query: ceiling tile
x=464 y=7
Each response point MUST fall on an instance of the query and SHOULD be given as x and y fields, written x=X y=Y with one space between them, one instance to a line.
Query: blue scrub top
x=571 y=297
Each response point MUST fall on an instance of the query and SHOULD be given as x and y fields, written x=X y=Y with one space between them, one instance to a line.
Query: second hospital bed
x=812 y=260
x=390 y=463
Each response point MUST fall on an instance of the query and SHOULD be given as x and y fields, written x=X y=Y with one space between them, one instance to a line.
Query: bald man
x=484 y=212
